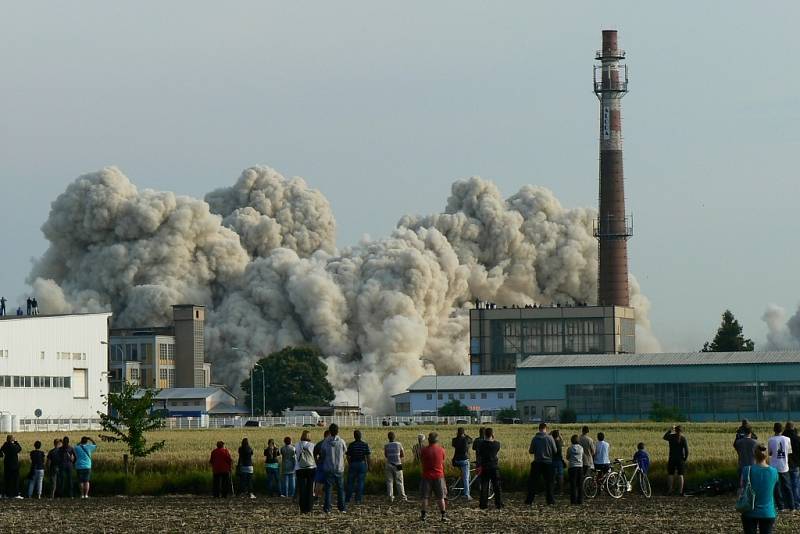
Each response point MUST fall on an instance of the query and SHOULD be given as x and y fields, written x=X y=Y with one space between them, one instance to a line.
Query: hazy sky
x=382 y=105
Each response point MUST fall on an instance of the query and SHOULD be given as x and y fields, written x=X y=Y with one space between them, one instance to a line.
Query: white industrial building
x=484 y=395
x=53 y=366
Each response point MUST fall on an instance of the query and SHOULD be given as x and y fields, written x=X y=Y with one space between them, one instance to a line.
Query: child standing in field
x=641 y=458
x=602 y=454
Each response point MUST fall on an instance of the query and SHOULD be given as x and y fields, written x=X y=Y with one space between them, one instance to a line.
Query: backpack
x=306 y=459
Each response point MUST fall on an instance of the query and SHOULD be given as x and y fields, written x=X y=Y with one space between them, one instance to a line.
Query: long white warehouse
x=57 y=364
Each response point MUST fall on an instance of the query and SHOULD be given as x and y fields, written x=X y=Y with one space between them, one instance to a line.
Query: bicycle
x=619 y=482
x=456 y=487
x=595 y=481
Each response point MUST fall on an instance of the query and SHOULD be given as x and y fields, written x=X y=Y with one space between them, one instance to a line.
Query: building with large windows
x=501 y=338
x=704 y=386
x=53 y=367
x=162 y=356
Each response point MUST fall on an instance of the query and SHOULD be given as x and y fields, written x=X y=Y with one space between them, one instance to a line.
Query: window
x=526 y=411
x=440 y=396
x=462 y=396
x=472 y=395
x=80 y=387
x=429 y=396
x=41 y=354
x=3 y=353
x=5 y=381
x=483 y=395
x=185 y=403
x=510 y=394
x=134 y=374
x=162 y=374
x=450 y=396
x=131 y=352
x=499 y=394
x=166 y=352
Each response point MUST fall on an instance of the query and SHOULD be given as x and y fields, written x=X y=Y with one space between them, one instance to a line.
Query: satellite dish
x=37 y=412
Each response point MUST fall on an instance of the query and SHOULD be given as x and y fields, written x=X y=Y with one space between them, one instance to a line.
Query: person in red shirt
x=221 y=463
x=432 y=458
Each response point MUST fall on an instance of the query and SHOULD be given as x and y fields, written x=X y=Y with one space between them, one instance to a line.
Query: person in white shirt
x=393 y=470
x=602 y=451
x=779 y=447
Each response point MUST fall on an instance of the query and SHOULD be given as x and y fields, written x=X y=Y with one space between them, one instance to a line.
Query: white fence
x=341 y=420
x=189 y=423
x=58 y=425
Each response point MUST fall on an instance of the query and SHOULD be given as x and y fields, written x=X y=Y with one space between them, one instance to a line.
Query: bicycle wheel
x=590 y=487
x=456 y=488
x=475 y=488
x=616 y=485
x=644 y=485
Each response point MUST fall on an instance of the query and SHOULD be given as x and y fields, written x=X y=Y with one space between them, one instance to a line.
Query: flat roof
x=463 y=382
x=51 y=316
x=659 y=359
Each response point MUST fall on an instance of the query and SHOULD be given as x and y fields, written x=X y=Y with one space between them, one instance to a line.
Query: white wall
x=420 y=402
x=26 y=338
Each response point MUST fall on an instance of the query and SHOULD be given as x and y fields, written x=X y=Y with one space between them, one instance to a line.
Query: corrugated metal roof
x=464 y=382
x=186 y=393
x=662 y=359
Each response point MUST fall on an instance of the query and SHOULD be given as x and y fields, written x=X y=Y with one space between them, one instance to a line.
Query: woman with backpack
x=306 y=471
x=760 y=515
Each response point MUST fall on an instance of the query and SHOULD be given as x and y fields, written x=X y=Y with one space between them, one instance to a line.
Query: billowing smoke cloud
x=135 y=252
x=268 y=211
x=783 y=332
x=262 y=256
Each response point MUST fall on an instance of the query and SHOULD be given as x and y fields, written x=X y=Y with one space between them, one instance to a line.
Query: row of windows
x=68 y=356
x=59 y=355
x=10 y=381
x=729 y=397
x=472 y=395
x=131 y=352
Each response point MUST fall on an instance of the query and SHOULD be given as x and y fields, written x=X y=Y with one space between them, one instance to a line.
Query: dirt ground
x=200 y=514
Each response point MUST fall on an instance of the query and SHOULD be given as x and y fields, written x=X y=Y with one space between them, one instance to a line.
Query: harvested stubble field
x=182 y=466
x=631 y=514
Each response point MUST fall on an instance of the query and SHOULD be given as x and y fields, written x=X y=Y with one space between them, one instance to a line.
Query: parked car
x=253 y=423
x=511 y=421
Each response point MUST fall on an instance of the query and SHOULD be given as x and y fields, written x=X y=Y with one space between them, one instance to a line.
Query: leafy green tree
x=729 y=337
x=568 y=415
x=292 y=377
x=453 y=408
x=130 y=417
x=661 y=412
x=507 y=413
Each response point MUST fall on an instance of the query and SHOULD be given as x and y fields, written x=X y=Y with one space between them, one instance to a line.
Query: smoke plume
x=783 y=332
x=261 y=255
